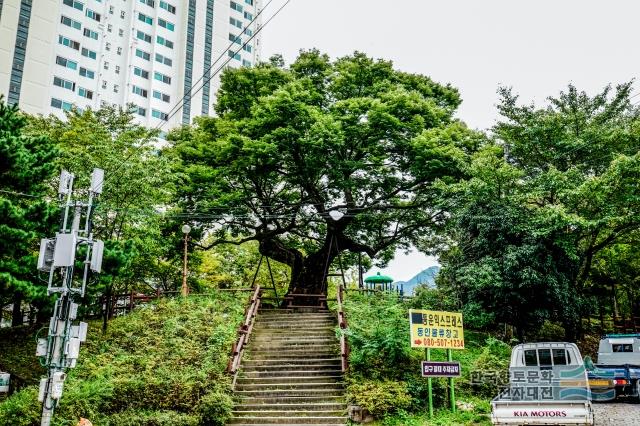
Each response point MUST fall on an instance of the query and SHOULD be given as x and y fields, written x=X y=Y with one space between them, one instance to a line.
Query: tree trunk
x=16 y=314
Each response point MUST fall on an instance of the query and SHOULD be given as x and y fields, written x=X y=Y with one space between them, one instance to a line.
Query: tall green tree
x=322 y=157
x=137 y=187
x=26 y=164
x=560 y=188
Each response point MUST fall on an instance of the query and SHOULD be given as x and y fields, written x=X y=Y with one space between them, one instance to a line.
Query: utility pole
x=185 y=289
x=59 y=351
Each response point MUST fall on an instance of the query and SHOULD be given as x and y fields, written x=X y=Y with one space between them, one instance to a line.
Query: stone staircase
x=290 y=373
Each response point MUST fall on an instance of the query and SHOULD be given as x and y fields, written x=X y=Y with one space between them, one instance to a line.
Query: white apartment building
x=55 y=54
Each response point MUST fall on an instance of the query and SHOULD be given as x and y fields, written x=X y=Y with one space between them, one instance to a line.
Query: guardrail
x=244 y=332
x=342 y=323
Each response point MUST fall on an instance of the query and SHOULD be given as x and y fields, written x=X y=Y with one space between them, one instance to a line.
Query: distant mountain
x=426 y=277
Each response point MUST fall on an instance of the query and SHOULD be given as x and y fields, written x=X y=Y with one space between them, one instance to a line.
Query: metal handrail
x=244 y=332
x=342 y=323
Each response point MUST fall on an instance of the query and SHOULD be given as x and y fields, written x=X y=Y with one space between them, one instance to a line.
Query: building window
x=122 y=14
x=107 y=46
x=140 y=91
x=93 y=15
x=162 y=96
x=106 y=65
x=235 y=38
x=235 y=22
x=166 y=6
x=86 y=73
x=249 y=2
x=75 y=4
x=163 y=59
x=89 y=53
x=57 y=103
x=235 y=6
x=144 y=18
x=109 y=27
x=70 y=22
x=143 y=36
x=141 y=111
x=142 y=54
x=166 y=24
x=120 y=32
x=104 y=84
x=91 y=34
x=246 y=63
x=65 y=84
x=247 y=47
x=66 y=62
x=164 y=42
x=85 y=93
x=161 y=77
x=159 y=114
x=148 y=2
x=115 y=88
x=111 y=10
x=68 y=42
x=141 y=73
x=117 y=69
x=248 y=16
x=234 y=55
x=248 y=32
x=119 y=50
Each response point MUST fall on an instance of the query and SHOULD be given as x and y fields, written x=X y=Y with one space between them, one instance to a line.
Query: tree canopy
x=322 y=157
x=556 y=192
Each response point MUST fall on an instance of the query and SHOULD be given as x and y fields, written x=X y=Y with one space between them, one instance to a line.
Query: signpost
x=442 y=330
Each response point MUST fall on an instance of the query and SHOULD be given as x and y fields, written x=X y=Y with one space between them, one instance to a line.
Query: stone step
x=276 y=386
x=287 y=413
x=301 y=316
x=253 y=380
x=294 y=353
x=261 y=322
x=286 y=393
x=275 y=368
x=325 y=335
x=261 y=400
x=248 y=373
x=304 y=420
x=291 y=344
x=334 y=406
x=285 y=363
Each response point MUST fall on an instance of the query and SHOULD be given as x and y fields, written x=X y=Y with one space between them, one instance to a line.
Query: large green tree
x=26 y=164
x=322 y=157
x=559 y=190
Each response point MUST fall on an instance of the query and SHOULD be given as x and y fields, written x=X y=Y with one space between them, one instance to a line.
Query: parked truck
x=547 y=386
x=617 y=370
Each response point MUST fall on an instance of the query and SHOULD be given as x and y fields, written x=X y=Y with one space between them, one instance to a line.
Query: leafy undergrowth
x=385 y=377
x=18 y=353
x=163 y=364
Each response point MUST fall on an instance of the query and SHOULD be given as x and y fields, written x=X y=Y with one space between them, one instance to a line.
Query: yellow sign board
x=436 y=329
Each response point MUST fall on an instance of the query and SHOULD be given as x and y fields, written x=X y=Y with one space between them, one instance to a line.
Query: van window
x=559 y=357
x=530 y=358
x=622 y=347
x=545 y=356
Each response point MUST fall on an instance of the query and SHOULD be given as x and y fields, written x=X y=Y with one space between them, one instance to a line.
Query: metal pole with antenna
x=59 y=351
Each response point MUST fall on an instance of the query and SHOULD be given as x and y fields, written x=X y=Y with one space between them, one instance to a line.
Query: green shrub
x=215 y=408
x=550 y=332
x=493 y=359
x=155 y=366
x=379 y=397
x=149 y=418
x=378 y=335
x=21 y=409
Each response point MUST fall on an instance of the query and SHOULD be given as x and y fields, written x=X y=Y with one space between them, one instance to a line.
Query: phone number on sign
x=440 y=343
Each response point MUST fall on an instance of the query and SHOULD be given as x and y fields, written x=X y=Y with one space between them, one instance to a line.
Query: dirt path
x=617 y=413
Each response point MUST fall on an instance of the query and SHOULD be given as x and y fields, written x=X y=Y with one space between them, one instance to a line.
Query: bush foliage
x=163 y=364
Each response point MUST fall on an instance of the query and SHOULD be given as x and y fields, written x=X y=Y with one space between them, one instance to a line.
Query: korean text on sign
x=436 y=329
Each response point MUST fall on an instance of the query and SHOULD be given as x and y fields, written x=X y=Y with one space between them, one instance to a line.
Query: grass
x=163 y=364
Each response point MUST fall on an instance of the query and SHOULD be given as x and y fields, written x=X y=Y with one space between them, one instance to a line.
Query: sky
x=537 y=47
